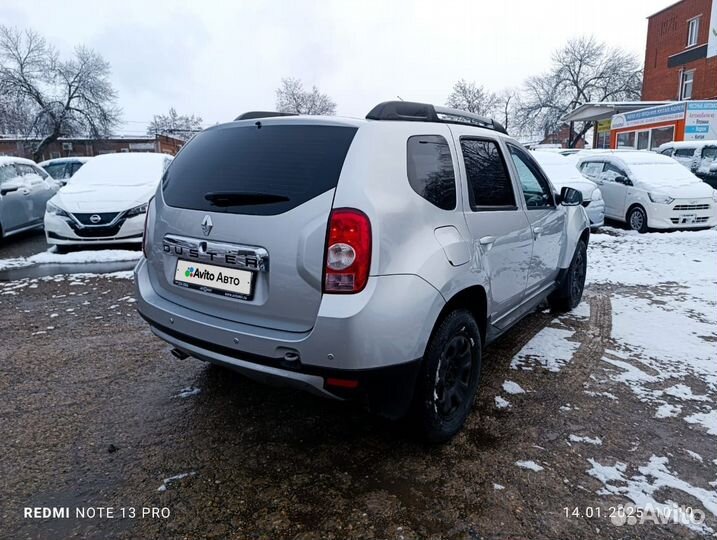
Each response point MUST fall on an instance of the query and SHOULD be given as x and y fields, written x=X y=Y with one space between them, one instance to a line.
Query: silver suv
x=358 y=259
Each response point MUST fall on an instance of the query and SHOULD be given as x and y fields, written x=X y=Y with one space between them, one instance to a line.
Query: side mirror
x=570 y=197
x=623 y=180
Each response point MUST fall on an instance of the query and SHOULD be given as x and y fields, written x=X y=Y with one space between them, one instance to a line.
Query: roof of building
x=665 y=9
x=602 y=110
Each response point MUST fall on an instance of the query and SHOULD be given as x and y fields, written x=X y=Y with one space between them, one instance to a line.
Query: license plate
x=210 y=278
x=687 y=218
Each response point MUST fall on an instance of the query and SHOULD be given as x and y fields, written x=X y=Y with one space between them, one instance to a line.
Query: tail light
x=348 y=251
x=144 y=235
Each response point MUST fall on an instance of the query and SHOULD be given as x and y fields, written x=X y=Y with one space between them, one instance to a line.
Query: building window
x=693 y=30
x=661 y=135
x=643 y=140
x=686 y=84
x=626 y=139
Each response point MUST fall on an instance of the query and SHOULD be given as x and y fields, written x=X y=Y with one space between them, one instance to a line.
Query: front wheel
x=637 y=219
x=449 y=377
x=570 y=290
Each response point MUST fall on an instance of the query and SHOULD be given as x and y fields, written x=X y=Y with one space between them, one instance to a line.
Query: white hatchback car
x=651 y=191
x=562 y=171
x=106 y=201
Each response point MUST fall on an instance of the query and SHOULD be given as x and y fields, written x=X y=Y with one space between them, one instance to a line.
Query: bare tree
x=584 y=70
x=54 y=98
x=176 y=125
x=468 y=96
x=292 y=98
x=507 y=104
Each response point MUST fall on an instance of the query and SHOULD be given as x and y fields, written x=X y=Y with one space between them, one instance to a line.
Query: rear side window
x=430 y=170
x=489 y=185
x=254 y=170
x=684 y=152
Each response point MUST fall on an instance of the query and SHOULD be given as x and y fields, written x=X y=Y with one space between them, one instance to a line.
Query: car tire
x=570 y=290
x=637 y=219
x=448 y=378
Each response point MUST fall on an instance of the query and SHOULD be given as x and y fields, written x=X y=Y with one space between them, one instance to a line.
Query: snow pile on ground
x=530 y=465
x=641 y=489
x=578 y=439
x=550 y=349
x=512 y=387
x=73 y=257
x=501 y=403
x=631 y=258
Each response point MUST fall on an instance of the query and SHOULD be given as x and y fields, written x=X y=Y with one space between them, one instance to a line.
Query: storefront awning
x=596 y=111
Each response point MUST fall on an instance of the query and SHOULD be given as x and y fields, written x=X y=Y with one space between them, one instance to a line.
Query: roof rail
x=250 y=115
x=425 y=112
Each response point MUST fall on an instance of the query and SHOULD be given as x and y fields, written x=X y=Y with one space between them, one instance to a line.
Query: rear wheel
x=449 y=376
x=637 y=219
x=570 y=291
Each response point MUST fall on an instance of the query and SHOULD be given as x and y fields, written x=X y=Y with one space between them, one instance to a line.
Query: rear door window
x=591 y=169
x=684 y=152
x=430 y=170
x=254 y=170
x=489 y=185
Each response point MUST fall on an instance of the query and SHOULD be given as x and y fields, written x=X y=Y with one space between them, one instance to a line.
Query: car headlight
x=660 y=198
x=137 y=210
x=56 y=210
x=597 y=195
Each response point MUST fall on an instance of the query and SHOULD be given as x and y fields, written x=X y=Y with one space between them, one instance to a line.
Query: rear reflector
x=348 y=251
x=144 y=236
x=342 y=383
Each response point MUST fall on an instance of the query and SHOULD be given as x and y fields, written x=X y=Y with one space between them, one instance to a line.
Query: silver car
x=24 y=191
x=367 y=259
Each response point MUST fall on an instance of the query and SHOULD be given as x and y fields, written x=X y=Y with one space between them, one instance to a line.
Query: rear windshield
x=263 y=170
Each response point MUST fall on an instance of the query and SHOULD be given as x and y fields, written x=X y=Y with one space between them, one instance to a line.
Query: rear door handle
x=487 y=240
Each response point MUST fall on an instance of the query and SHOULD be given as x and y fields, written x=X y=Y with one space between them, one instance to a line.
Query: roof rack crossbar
x=251 y=115
x=425 y=112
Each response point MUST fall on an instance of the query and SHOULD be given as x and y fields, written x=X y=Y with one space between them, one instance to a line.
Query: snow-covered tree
x=176 y=125
x=582 y=71
x=292 y=98
x=49 y=97
x=471 y=97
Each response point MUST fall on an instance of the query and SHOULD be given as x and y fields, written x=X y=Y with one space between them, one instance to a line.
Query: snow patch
x=531 y=465
x=167 y=481
x=550 y=349
x=576 y=438
x=512 y=388
x=501 y=403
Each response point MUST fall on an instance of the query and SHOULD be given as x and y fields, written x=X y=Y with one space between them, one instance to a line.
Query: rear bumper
x=383 y=329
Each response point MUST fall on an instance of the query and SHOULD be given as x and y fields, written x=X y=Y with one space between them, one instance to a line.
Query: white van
x=700 y=157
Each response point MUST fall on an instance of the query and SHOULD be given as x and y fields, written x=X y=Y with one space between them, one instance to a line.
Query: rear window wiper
x=243 y=198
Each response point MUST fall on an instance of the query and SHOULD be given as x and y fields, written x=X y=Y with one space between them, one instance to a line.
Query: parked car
x=106 y=201
x=651 y=191
x=562 y=171
x=369 y=259
x=62 y=169
x=24 y=192
x=700 y=157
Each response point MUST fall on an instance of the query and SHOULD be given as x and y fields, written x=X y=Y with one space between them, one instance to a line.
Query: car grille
x=682 y=207
x=703 y=219
x=105 y=218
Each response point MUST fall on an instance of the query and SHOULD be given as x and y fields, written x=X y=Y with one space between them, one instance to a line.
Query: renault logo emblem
x=207 y=225
x=95 y=218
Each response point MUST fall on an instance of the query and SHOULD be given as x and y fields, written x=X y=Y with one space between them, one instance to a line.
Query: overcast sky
x=218 y=58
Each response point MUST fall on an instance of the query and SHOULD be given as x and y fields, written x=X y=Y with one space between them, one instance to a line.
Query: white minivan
x=651 y=191
x=700 y=157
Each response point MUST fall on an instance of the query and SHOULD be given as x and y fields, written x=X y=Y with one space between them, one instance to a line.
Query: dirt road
x=95 y=412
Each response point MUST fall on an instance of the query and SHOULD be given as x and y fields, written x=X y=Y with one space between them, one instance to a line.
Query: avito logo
x=199 y=274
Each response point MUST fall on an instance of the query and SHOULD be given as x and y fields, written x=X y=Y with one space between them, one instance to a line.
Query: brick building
x=681 y=52
x=66 y=147
x=562 y=137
